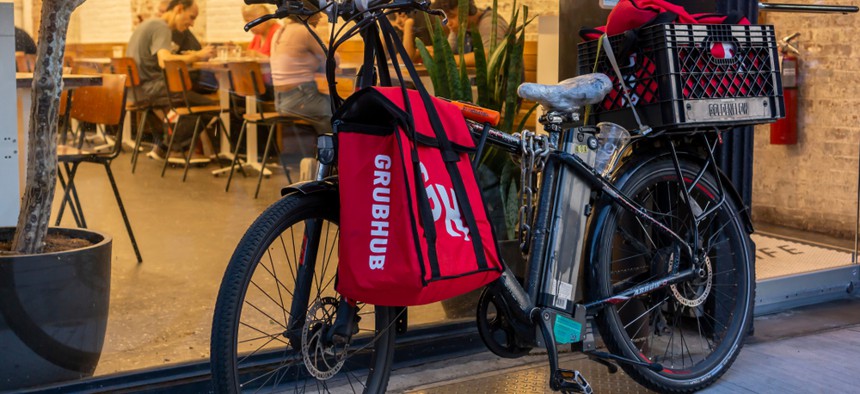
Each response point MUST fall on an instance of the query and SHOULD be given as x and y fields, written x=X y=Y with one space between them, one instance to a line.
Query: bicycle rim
x=693 y=329
x=265 y=338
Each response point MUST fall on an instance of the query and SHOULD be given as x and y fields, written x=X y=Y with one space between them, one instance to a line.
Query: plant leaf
x=441 y=85
x=515 y=77
x=429 y=63
x=525 y=118
x=480 y=68
x=494 y=33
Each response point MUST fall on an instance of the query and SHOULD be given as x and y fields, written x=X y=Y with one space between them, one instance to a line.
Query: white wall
x=103 y=21
x=224 y=22
x=19 y=12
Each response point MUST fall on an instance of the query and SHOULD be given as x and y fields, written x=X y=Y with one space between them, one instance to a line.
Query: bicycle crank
x=501 y=332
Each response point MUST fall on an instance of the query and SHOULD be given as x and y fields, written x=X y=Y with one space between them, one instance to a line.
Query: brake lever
x=439 y=13
x=289 y=7
x=255 y=22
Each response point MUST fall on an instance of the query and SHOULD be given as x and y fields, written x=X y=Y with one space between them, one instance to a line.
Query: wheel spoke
x=662 y=326
x=249 y=318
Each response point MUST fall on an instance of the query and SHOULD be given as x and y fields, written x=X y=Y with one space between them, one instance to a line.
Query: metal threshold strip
x=418 y=345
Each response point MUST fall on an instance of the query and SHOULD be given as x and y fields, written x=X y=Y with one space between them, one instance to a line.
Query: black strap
x=366 y=75
x=423 y=201
x=453 y=158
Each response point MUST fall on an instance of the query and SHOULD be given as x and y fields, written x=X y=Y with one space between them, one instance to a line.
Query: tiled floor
x=810 y=350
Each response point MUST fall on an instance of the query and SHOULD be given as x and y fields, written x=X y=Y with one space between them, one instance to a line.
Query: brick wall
x=813 y=185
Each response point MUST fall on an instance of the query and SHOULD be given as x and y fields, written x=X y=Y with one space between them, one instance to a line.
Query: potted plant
x=497 y=78
x=53 y=304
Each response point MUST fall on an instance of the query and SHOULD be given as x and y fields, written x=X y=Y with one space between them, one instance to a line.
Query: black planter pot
x=53 y=311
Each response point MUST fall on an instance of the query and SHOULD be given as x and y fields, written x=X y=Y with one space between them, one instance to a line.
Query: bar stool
x=178 y=84
x=246 y=80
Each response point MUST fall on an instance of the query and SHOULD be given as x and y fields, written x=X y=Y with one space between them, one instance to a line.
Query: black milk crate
x=687 y=76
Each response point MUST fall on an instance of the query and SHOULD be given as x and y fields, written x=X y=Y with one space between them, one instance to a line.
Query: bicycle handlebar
x=344 y=8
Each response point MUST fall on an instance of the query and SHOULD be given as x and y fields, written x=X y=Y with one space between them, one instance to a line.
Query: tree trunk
x=41 y=177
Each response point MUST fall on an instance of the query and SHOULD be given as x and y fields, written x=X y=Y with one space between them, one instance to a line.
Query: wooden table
x=94 y=64
x=219 y=68
x=24 y=84
x=345 y=87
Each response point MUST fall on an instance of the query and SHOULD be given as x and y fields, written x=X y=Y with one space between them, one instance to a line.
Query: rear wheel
x=277 y=304
x=694 y=329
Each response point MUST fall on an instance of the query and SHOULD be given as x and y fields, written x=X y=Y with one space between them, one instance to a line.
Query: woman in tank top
x=296 y=58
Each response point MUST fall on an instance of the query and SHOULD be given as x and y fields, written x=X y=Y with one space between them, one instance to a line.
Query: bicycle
x=656 y=254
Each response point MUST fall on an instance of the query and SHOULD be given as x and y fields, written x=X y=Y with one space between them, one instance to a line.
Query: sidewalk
x=809 y=350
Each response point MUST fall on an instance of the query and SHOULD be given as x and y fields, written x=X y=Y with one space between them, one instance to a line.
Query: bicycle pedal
x=571 y=381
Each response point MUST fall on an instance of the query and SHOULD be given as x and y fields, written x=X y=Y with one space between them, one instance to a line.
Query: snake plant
x=498 y=73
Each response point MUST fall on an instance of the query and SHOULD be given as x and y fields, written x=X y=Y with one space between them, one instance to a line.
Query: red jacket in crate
x=413 y=228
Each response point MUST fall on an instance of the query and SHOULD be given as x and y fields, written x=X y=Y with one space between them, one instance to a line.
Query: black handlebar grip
x=273 y=2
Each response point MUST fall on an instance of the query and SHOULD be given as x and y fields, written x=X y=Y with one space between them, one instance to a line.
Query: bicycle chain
x=535 y=151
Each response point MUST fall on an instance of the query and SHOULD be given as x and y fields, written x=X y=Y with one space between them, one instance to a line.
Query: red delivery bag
x=413 y=227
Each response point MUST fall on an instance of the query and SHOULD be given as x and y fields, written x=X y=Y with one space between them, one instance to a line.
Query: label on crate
x=726 y=109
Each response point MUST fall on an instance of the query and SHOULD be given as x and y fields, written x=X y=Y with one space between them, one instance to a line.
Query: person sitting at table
x=150 y=45
x=261 y=44
x=480 y=19
x=296 y=58
x=203 y=82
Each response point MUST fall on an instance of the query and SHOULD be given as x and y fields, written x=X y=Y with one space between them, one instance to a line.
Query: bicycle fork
x=346 y=317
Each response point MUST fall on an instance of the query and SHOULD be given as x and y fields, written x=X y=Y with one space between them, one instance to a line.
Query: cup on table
x=118 y=51
x=236 y=52
x=222 y=52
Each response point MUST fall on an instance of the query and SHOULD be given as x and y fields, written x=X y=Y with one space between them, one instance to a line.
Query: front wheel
x=277 y=305
x=694 y=329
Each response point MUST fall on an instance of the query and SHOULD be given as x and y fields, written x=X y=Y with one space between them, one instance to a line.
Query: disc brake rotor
x=322 y=360
x=696 y=291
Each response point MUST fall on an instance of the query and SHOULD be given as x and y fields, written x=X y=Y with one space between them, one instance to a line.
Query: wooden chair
x=246 y=80
x=178 y=84
x=142 y=109
x=103 y=105
x=25 y=63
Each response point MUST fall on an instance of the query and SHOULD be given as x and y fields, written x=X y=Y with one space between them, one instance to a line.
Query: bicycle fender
x=628 y=167
x=310 y=187
x=635 y=162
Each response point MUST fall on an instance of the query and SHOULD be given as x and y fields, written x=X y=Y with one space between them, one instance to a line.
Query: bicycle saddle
x=568 y=95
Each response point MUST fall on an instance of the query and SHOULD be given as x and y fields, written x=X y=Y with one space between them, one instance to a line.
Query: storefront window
x=805 y=194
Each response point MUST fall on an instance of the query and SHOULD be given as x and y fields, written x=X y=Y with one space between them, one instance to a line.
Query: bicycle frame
x=543 y=259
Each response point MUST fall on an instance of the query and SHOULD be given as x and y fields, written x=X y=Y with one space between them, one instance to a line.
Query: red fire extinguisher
x=784 y=131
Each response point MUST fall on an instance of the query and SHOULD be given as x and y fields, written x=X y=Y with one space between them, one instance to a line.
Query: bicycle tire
x=718 y=307
x=236 y=328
